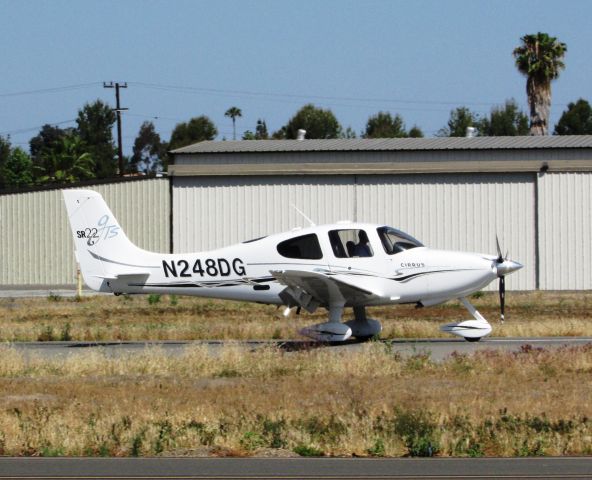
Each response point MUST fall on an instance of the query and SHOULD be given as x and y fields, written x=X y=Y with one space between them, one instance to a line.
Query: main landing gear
x=361 y=327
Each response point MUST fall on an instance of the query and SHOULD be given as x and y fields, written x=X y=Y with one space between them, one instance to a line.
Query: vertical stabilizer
x=103 y=250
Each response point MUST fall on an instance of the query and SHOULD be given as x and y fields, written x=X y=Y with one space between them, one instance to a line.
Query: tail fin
x=103 y=250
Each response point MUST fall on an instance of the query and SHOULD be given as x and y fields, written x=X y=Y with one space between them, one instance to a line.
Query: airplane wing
x=312 y=289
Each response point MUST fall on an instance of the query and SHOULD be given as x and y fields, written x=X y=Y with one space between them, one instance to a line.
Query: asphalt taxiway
x=437 y=349
x=295 y=468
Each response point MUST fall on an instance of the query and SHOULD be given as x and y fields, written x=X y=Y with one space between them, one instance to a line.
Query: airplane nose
x=507 y=266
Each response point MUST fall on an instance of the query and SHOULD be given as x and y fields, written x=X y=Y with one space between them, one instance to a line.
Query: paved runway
x=62 y=291
x=438 y=349
x=295 y=468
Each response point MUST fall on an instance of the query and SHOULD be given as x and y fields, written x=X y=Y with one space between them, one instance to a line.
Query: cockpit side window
x=394 y=241
x=350 y=243
x=305 y=247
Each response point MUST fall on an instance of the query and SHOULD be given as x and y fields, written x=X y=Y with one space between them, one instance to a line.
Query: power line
x=50 y=90
x=153 y=116
x=201 y=90
x=355 y=102
x=30 y=129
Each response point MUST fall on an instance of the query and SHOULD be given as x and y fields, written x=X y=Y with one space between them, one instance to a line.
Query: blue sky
x=418 y=58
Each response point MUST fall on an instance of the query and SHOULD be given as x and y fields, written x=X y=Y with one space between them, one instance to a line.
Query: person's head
x=363 y=236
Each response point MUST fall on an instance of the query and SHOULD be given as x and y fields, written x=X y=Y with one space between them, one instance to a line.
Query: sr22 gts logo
x=102 y=231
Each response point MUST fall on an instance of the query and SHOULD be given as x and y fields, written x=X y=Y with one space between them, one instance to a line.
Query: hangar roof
x=384 y=156
x=390 y=144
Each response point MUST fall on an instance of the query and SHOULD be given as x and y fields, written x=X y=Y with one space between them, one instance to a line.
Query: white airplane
x=330 y=266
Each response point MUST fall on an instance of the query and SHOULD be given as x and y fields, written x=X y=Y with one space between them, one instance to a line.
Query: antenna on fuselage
x=312 y=224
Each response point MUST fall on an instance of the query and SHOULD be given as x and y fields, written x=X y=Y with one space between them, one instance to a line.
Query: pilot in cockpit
x=362 y=248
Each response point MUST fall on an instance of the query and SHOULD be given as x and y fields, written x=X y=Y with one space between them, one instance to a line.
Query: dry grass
x=187 y=318
x=241 y=402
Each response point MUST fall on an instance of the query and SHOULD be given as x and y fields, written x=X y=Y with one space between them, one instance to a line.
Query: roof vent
x=471 y=132
x=301 y=134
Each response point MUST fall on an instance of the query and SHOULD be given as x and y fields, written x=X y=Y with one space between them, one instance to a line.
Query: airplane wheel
x=472 y=339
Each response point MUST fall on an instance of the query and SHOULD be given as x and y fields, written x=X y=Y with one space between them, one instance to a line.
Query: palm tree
x=233 y=112
x=540 y=59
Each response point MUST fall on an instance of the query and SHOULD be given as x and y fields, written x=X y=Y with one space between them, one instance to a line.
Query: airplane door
x=355 y=251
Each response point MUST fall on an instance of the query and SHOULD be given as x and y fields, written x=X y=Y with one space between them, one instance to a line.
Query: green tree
x=233 y=112
x=317 y=122
x=149 y=152
x=416 y=132
x=576 y=120
x=384 y=125
x=95 y=129
x=195 y=130
x=69 y=162
x=48 y=138
x=4 y=156
x=348 y=133
x=279 y=134
x=540 y=59
x=17 y=170
x=261 y=130
x=508 y=120
x=460 y=119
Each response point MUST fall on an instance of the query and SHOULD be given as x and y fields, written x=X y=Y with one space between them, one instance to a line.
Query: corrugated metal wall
x=456 y=212
x=565 y=225
x=211 y=212
x=36 y=244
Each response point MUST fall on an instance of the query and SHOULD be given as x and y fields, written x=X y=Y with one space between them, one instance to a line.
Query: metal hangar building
x=535 y=193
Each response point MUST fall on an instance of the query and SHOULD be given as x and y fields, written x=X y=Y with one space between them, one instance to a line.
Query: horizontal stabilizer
x=122 y=276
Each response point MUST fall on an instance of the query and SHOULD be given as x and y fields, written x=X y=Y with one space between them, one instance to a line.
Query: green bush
x=65 y=335
x=308 y=451
x=207 y=434
x=165 y=436
x=252 y=441
x=377 y=450
x=273 y=431
x=323 y=430
x=153 y=298
x=49 y=451
x=53 y=297
x=419 y=433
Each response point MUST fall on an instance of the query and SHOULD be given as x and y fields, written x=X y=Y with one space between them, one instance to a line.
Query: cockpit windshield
x=395 y=241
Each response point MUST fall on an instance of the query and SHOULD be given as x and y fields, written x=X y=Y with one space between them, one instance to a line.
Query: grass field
x=318 y=402
x=187 y=318
x=369 y=402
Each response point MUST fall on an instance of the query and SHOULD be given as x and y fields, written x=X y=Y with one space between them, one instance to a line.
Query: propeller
x=502 y=281
x=503 y=267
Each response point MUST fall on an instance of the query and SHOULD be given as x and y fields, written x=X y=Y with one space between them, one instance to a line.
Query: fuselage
x=393 y=265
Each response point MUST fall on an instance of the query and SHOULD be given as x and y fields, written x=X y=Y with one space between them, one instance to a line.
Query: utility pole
x=118 y=110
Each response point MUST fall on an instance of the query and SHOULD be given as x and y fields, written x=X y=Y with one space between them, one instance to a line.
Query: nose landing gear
x=470 y=330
